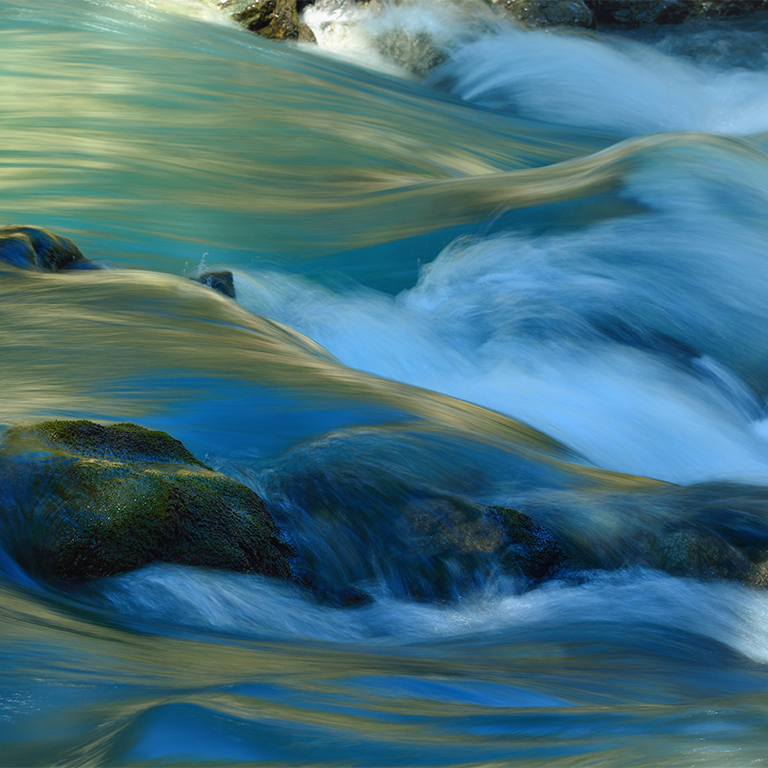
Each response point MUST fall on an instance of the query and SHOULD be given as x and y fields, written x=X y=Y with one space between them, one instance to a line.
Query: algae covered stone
x=81 y=500
x=120 y=442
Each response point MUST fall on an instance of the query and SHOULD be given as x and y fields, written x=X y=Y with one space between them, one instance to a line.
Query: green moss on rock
x=116 y=498
x=119 y=442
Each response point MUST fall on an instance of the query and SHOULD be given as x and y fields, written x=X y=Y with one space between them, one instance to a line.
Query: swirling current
x=532 y=276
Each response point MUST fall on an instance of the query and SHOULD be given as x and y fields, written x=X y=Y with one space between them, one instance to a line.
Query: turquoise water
x=535 y=278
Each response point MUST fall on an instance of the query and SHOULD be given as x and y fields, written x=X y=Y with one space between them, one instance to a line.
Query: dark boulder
x=38 y=249
x=551 y=13
x=640 y=13
x=221 y=281
x=79 y=500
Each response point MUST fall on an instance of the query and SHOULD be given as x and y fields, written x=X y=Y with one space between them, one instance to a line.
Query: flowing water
x=532 y=275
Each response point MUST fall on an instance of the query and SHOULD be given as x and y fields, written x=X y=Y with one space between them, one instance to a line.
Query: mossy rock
x=119 y=442
x=82 y=501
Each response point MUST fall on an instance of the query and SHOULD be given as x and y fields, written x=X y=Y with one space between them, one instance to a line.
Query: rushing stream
x=534 y=276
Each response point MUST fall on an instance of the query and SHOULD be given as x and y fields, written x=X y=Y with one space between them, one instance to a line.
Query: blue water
x=533 y=276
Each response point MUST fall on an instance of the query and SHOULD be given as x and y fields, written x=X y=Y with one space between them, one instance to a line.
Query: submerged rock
x=38 y=249
x=624 y=13
x=641 y=13
x=530 y=548
x=718 y=531
x=709 y=531
x=415 y=52
x=358 y=527
x=80 y=500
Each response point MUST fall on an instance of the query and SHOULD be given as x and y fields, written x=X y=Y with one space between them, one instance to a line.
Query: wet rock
x=119 y=442
x=79 y=500
x=306 y=35
x=221 y=281
x=715 y=531
x=415 y=52
x=640 y=13
x=251 y=14
x=725 y=9
x=273 y=19
x=551 y=13
x=529 y=548
x=354 y=530
x=38 y=249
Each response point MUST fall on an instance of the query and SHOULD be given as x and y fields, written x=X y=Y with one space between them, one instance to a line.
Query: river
x=534 y=276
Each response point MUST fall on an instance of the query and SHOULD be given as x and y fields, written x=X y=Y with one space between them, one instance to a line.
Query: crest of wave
x=603 y=83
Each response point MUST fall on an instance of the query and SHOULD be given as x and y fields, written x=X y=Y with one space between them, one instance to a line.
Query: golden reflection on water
x=117 y=131
x=117 y=680
x=86 y=341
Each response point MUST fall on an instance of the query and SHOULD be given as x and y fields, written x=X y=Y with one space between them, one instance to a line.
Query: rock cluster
x=279 y=19
x=79 y=500
x=624 y=13
x=39 y=250
x=640 y=13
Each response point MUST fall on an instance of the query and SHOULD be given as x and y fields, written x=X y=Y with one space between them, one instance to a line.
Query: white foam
x=254 y=606
x=402 y=38
x=203 y=10
x=605 y=84
x=534 y=326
